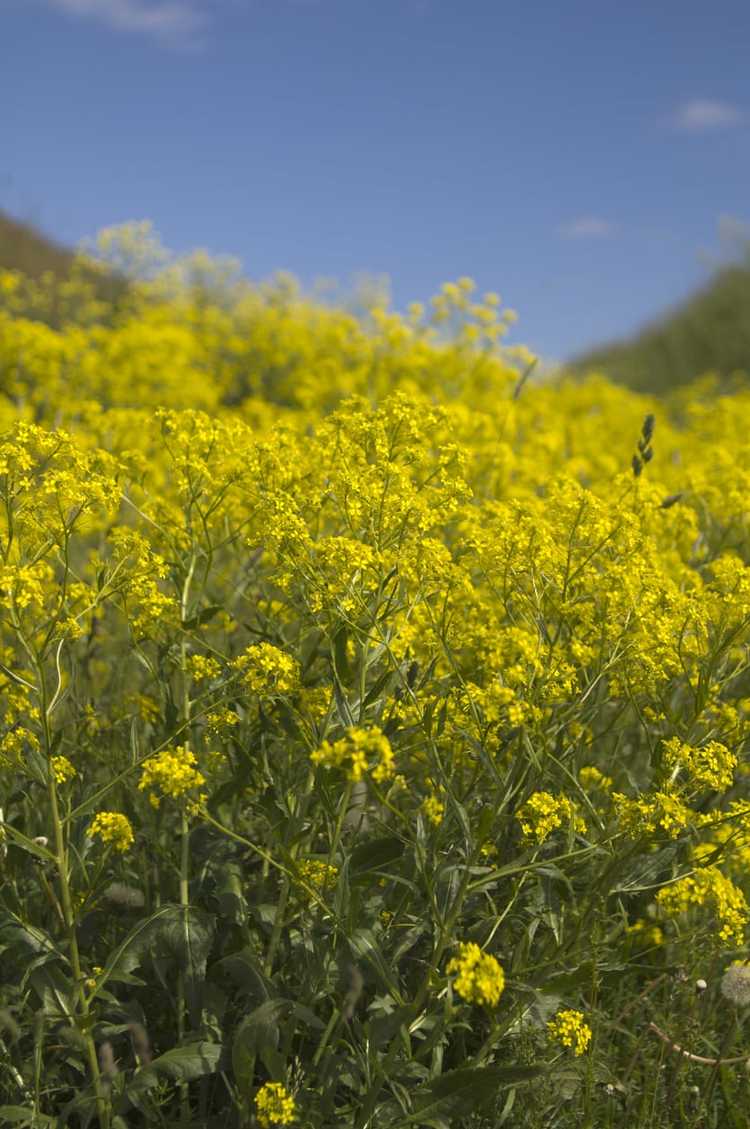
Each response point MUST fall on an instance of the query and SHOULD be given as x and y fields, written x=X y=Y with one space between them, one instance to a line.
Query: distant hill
x=24 y=248
x=709 y=332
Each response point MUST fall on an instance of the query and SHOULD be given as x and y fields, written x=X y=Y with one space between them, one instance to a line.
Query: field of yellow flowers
x=374 y=721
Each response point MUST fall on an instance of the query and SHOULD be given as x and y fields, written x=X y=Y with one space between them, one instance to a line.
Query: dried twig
x=689 y=1055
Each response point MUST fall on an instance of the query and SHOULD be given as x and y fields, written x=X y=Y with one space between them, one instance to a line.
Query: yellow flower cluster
x=592 y=779
x=172 y=773
x=659 y=811
x=321 y=875
x=62 y=769
x=274 y=1105
x=709 y=889
x=268 y=671
x=479 y=976
x=644 y=934
x=543 y=813
x=569 y=1027
x=113 y=828
x=433 y=808
x=709 y=766
x=203 y=667
x=358 y=752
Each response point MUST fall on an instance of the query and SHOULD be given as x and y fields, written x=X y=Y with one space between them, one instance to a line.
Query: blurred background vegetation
x=709 y=333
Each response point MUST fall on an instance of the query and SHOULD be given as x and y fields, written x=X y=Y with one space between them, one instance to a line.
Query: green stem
x=61 y=858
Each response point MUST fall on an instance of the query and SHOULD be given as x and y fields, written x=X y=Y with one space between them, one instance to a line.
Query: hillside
x=26 y=249
x=709 y=332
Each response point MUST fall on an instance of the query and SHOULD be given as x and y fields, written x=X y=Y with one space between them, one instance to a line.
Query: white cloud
x=171 y=19
x=587 y=227
x=702 y=114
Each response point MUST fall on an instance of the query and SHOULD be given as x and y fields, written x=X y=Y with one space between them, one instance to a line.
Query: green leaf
x=181 y=1064
x=375 y=690
x=382 y=1028
x=364 y=944
x=18 y=1115
x=340 y=657
x=182 y=933
x=27 y=844
x=244 y=970
x=375 y=854
x=258 y=1035
x=345 y=714
x=202 y=617
x=460 y=1092
x=230 y=892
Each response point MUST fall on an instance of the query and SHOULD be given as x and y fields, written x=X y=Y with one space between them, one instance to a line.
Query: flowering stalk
x=61 y=859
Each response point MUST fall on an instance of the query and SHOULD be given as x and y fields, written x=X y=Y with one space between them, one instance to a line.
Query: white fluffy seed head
x=735 y=984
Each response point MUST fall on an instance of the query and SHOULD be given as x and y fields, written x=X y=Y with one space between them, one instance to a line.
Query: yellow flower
x=274 y=1105
x=709 y=766
x=359 y=751
x=267 y=671
x=570 y=1028
x=480 y=978
x=172 y=773
x=319 y=874
x=543 y=813
x=434 y=809
x=202 y=667
x=62 y=769
x=710 y=889
x=591 y=778
x=659 y=811
x=113 y=829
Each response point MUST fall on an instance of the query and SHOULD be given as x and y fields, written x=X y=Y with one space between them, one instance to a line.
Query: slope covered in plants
x=374 y=721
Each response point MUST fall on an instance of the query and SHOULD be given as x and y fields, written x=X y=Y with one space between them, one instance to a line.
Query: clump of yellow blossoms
x=710 y=889
x=569 y=1028
x=644 y=934
x=480 y=978
x=591 y=778
x=62 y=769
x=709 y=766
x=268 y=671
x=543 y=813
x=172 y=773
x=321 y=875
x=202 y=667
x=434 y=809
x=113 y=829
x=274 y=1105
x=660 y=811
x=358 y=752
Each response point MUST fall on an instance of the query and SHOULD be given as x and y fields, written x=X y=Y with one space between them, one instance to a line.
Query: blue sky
x=575 y=157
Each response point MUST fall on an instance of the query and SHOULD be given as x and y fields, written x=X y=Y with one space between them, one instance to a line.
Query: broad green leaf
x=258 y=1035
x=461 y=1092
x=19 y=1115
x=375 y=854
x=244 y=970
x=181 y=1064
x=183 y=933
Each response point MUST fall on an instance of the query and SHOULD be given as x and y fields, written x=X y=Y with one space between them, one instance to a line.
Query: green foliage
x=374 y=724
x=708 y=334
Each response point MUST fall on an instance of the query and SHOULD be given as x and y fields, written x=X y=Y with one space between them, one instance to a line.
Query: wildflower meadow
x=374 y=718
